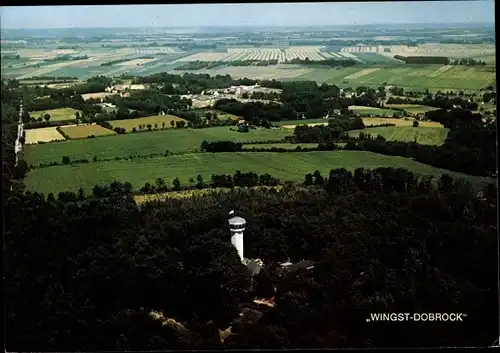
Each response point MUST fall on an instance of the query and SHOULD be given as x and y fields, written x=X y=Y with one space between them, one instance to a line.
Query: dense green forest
x=102 y=273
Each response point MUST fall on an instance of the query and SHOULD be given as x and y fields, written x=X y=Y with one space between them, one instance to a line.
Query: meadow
x=175 y=140
x=60 y=114
x=84 y=131
x=285 y=166
x=373 y=110
x=160 y=121
x=422 y=135
x=44 y=134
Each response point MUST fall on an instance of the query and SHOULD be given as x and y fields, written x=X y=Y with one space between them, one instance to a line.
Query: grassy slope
x=424 y=135
x=143 y=143
x=286 y=166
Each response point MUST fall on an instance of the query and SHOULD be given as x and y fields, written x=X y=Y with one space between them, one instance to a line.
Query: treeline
x=65 y=57
x=109 y=63
x=270 y=96
x=438 y=60
x=325 y=62
x=299 y=98
x=467 y=62
x=51 y=78
x=256 y=113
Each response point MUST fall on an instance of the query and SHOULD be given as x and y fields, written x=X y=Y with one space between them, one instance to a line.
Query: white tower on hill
x=237 y=227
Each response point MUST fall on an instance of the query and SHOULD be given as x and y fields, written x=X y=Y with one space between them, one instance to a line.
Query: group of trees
x=197 y=65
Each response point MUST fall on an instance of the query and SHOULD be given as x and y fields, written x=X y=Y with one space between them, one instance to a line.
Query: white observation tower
x=237 y=227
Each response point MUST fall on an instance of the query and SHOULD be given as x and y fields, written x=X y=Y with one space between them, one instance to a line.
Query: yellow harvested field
x=159 y=120
x=44 y=134
x=99 y=95
x=84 y=131
x=59 y=114
x=398 y=122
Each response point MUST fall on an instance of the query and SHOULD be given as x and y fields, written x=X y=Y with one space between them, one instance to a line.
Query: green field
x=143 y=143
x=60 y=114
x=285 y=166
x=423 y=135
x=412 y=108
x=433 y=77
x=373 y=111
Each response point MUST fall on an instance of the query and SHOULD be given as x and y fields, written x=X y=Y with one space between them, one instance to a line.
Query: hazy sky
x=278 y=14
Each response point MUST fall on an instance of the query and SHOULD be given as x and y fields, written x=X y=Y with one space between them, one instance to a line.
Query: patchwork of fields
x=287 y=166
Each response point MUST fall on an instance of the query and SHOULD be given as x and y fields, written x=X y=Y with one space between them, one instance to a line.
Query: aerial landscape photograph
x=249 y=176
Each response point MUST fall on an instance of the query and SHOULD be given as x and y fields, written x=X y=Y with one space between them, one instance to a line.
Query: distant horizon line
x=260 y=26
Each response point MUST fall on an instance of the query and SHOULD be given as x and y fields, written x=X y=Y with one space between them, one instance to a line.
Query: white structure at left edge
x=237 y=227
